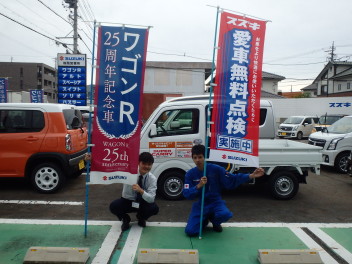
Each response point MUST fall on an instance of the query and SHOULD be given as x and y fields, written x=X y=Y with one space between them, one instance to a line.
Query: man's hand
x=259 y=172
x=137 y=188
x=202 y=182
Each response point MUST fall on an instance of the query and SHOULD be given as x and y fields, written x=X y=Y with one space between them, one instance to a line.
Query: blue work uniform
x=215 y=209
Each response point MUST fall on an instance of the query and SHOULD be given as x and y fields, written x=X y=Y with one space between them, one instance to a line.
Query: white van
x=297 y=127
x=336 y=141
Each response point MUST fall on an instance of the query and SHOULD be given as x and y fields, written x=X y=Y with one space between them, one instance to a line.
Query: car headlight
x=295 y=128
x=333 y=143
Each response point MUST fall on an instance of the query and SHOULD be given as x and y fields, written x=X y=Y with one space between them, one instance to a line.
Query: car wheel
x=299 y=135
x=341 y=162
x=283 y=185
x=170 y=185
x=47 y=178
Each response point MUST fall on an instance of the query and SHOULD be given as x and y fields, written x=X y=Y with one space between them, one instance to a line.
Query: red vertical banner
x=236 y=107
x=118 y=94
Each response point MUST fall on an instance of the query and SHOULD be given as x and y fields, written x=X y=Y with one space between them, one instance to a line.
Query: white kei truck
x=177 y=124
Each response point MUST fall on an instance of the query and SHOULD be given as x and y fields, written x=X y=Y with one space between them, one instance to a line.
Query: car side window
x=21 y=121
x=178 y=122
x=307 y=121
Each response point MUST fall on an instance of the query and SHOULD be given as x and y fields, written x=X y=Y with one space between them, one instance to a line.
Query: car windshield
x=328 y=120
x=342 y=126
x=293 y=120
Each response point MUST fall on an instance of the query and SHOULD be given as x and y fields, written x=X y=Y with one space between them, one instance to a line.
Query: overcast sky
x=297 y=42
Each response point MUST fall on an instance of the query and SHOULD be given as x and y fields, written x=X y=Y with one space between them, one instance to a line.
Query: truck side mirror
x=153 y=131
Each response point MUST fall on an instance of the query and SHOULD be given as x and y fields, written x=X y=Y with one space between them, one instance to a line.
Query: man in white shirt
x=139 y=197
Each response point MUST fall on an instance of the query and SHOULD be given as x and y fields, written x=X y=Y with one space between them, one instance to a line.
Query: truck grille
x=283 y=128
x=317 y=142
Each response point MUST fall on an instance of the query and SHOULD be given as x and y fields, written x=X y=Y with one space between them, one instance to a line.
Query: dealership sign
x=3 y=90
x=72 y=79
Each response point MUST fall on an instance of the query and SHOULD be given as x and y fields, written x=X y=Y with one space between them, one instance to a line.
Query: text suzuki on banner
x=236 y=108
x=119 y=85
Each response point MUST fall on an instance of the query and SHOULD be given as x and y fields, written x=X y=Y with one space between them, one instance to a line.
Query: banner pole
x=89 y=136
x=208 y=122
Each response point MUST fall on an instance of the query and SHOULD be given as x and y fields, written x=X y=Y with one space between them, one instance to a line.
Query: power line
x=293 y=64
x=56 y=41
x=180 y=55
x=17 y=14
x=53 y=11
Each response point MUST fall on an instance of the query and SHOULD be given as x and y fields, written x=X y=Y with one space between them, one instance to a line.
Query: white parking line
x=108 y=246
x=311 y=244
x=129 y=250
x=338 y=248
x=40 y=202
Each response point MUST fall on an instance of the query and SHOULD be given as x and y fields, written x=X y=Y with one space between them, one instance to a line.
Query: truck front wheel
x=170 y=185
x=47 y=178
x=283 y=185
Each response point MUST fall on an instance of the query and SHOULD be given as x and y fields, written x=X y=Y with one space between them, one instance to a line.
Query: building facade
x=23 y=77
x=335 y=80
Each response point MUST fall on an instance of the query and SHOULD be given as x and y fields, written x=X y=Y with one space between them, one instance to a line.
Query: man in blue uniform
x=216 y=178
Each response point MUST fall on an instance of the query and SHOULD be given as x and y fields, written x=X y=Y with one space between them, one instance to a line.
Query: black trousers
x=122 y=206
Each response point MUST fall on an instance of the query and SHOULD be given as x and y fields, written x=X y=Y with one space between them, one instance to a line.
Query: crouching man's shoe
x=217 y=228
x=125 y=223
x=141 y=222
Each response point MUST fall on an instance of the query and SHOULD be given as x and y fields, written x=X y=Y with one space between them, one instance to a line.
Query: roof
x=265 y=94
x=311 y=87
x=328 y=65
x=268 y=75
x=178 y=65
x=345 y=73
x=48 y=107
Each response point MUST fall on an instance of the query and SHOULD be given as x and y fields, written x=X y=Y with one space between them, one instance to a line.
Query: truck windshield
x=342 y=126
x=293 y=120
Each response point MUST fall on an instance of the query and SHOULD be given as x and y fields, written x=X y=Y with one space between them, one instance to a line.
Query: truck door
x=308 y=126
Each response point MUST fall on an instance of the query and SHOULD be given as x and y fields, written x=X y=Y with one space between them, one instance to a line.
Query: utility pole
x=332 y=52
x=74 y=4
x=75 y=33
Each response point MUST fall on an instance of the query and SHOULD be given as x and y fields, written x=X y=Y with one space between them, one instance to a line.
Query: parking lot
x=322 y=207
x=326 y=198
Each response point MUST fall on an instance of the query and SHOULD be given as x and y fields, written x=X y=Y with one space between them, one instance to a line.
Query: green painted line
x=233 y=245
x=15 y=239
x=343 y=236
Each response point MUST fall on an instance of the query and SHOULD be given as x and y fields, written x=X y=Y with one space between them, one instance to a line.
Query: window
x=348 y=85
x=307 y=121
x=21 y=121
x=262 y=117
x=339 y=87
x=21 y=72
x=178 y=122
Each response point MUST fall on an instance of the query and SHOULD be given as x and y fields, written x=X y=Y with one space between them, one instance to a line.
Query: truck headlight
x=333 y=143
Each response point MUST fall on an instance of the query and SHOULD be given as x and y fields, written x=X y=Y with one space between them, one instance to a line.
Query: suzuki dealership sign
x=72 y=79
x=3 y=90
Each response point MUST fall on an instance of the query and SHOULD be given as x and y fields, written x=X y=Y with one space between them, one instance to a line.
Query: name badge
x=135 y=205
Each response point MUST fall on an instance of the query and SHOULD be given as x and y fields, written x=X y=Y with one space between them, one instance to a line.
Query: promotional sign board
x=36 y=96
x=237 y=95
x=72 y=79
x=3 y=90
x=117 y=117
